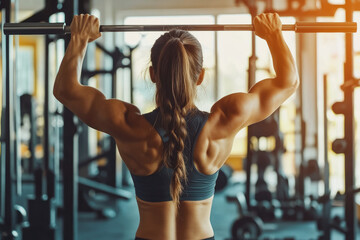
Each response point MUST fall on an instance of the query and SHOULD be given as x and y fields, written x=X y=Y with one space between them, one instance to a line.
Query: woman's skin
x=139 y=144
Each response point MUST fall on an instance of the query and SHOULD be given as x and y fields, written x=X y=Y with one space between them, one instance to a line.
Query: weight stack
x=42 y=219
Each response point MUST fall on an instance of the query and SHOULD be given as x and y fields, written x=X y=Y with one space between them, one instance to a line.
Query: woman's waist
x=166 y=209
x=175 y=230
x=165 y=218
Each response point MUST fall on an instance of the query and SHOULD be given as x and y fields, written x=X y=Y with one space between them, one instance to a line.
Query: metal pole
x=70 y=162
x=49 y=165
x=3 y=125
x=251 y=82
x=112 y=161
x=299 y=182
x=216 y=69
x=350 y=210
x=60 y=28
x=9 y=232
x=326 y=211
x=326 y=158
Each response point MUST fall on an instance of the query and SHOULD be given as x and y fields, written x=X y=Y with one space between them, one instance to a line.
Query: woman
x=174 y=153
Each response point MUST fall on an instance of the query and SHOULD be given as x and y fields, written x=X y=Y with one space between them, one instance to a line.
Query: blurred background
x=293 y=166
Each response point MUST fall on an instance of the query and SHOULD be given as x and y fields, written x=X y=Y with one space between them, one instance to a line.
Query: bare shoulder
x=130 y=124
x=229 y=114
x=213 y=145
x=139 y=144
x=227 y=117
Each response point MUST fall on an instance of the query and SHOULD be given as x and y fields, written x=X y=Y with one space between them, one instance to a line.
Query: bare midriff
x=163 y=220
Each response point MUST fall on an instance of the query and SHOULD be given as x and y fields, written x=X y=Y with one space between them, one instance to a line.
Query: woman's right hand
x=266 y=24
x=86 y=27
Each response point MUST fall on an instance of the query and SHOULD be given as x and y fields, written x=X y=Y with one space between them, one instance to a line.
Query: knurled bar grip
x=61 y=28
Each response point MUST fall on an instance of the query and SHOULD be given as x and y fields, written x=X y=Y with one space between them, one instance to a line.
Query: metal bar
x=355 y=191
x=41 y=15
x=89 y=74
x=61 y=28
x=29 y=28
x=102 y=48
x=86 y=162
x=103 y=188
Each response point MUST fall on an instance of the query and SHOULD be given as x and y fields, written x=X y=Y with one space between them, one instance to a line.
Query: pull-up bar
x=61 y=28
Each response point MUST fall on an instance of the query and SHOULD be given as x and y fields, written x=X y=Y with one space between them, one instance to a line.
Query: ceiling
x=136 y=5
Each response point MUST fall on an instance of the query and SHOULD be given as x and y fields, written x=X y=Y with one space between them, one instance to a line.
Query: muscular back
x=163 y=220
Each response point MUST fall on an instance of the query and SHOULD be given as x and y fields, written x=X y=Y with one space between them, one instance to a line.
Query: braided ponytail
x=176 y=74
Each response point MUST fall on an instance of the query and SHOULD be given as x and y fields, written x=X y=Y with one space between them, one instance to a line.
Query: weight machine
x=252 y=228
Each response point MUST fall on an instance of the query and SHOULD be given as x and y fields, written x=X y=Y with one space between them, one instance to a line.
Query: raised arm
x=239 y=110
x=89 y=104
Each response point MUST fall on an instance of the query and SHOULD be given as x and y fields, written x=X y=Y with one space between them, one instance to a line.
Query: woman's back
x=160 y=217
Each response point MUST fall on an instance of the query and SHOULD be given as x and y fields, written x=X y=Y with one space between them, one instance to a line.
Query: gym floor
x=124 y=226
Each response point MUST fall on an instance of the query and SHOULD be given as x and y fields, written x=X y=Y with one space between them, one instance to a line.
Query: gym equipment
x=297 y=209
x=339 y=146
x=263 y=160
x=312 y=170
x=262 y=192
x=312 y=209
x=41 y=218
x=28 y=108
x=266 y=210
x=325 y=201
x=268 y=205
x=10 y=177
x=349 y=127
x=339 y=108
x=42 y=213
x=326 y=223
x=61 y=28
x=346 y=145
x=21 y=215
x=282 y=188
x=247 y=226
x=358 y=211
x=224 y=176
x=100 y=197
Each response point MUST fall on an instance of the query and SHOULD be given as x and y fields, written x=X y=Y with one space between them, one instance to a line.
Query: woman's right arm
x=236 y=111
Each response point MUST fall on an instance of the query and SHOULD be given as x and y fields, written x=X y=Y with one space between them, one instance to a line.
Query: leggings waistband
x=210 y=238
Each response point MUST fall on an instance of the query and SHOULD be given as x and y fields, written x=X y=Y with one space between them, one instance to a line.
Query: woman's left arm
x=89 y=104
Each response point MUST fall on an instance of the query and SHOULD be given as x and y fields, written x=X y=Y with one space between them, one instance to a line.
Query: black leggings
x=210 y=238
